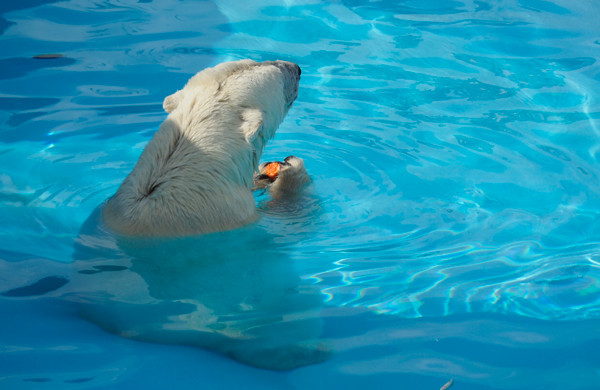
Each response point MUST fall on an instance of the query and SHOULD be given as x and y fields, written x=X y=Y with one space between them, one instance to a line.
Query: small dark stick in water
x=447 y=385
x=47 y=56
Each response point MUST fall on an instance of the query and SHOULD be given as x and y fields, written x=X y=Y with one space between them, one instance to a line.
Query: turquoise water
x=452 y=230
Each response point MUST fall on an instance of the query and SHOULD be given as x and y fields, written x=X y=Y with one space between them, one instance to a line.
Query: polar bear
x=161 y=260
x=195 y=175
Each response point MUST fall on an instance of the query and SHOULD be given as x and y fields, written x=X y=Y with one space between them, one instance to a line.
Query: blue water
x=453 y=146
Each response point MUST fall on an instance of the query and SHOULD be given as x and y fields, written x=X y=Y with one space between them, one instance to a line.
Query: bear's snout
x=296 y=69
x=287 y=67
x=291 y=72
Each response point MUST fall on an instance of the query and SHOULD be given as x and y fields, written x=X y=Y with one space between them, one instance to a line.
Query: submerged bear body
x=162 y=260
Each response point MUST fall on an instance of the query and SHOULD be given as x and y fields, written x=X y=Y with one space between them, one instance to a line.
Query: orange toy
x=272 y=170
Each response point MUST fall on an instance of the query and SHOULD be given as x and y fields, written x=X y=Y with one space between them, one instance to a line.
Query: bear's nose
x=286 y=66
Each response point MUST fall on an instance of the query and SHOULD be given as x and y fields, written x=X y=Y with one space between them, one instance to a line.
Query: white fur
x=291 y=178
x=195 y=174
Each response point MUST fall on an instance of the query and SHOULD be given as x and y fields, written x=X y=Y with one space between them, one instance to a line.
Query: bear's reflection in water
x=236 y=293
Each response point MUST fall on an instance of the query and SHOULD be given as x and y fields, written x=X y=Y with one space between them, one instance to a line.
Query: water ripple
x=453 y=145
x=452 y=223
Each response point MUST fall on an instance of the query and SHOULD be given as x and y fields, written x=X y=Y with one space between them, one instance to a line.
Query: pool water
x=451 y=230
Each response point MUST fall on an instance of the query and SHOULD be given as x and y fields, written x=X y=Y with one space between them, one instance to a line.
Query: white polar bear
x=235 y=292
x=195 y=175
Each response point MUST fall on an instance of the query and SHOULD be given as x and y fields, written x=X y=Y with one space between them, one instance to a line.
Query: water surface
x=453 y=147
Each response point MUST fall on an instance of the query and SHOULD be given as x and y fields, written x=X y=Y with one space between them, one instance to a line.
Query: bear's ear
x=171 y=102
x=252 y=128
x=252 y=122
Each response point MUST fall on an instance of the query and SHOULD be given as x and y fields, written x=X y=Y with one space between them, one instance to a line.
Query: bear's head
x=258 y=94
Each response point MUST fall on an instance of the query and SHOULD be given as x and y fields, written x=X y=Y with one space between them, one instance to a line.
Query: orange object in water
x=272 y=170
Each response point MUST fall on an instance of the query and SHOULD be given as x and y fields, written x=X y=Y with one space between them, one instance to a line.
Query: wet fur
x=195 y=174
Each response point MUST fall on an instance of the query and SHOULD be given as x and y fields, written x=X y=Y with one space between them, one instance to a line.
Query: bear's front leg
x=282 y=179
